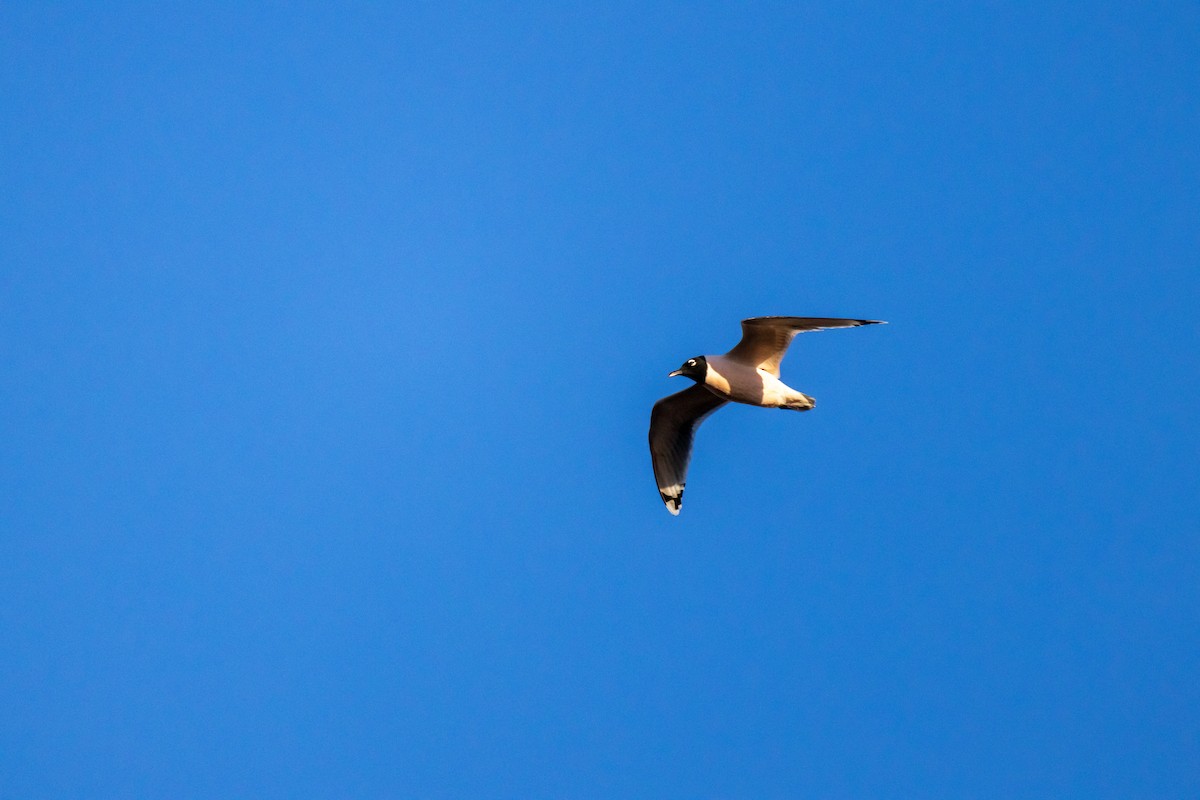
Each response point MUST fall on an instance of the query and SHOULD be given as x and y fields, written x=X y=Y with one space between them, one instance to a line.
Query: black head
x=694 y=368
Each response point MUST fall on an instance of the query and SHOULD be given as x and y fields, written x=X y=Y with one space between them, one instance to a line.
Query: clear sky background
x=330 y=334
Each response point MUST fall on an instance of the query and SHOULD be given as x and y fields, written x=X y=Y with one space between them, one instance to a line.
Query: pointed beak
x=675 y=373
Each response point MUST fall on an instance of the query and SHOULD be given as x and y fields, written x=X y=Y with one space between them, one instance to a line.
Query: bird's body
x=740 y=382
x=749 y=374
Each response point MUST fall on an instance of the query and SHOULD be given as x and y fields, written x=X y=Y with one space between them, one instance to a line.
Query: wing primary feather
x=673 y=423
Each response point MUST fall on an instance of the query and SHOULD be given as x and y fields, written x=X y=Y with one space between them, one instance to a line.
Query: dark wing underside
x=765 y=340
x=673 y=424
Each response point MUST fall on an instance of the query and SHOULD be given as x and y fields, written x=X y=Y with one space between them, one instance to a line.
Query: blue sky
x=331 y=334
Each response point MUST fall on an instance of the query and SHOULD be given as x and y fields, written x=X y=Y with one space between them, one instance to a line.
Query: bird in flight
x=749 y=373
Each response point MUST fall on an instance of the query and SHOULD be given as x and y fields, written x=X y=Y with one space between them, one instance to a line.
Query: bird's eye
x=691 y=362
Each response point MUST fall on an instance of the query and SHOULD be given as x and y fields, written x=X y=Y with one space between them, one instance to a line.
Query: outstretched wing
x=766 y=339
x=673 y=424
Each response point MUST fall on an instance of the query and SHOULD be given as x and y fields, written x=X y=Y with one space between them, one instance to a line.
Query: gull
x=749 y=373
